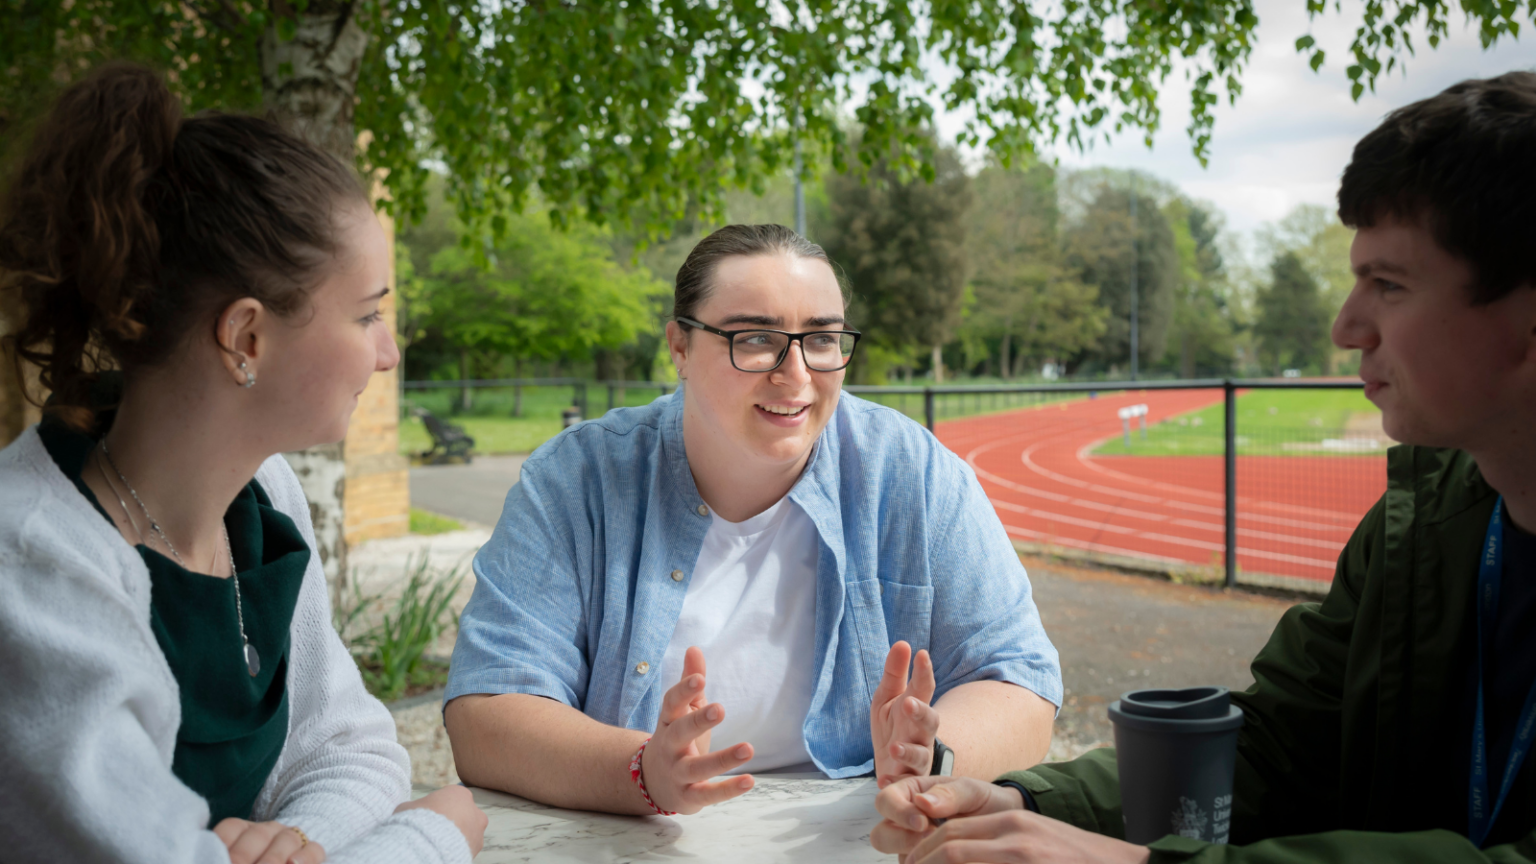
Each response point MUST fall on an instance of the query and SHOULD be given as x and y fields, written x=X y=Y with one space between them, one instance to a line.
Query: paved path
x=474 y=492
x=1294 y=512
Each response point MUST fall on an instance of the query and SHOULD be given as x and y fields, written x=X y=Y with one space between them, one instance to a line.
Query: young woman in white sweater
x=199 y=295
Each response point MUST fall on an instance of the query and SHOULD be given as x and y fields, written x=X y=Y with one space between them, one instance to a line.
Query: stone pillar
x=377 y=495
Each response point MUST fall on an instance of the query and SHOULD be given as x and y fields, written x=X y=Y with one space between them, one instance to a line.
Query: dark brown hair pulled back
x=694 y=277
x=126 y=227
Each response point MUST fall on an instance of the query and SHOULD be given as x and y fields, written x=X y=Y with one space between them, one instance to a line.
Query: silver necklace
x=252 y=659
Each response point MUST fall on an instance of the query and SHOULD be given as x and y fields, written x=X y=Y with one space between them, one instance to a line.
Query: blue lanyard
x=1489 y=574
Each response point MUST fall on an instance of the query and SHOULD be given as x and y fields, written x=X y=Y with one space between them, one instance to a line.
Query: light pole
x=799 y=182
x=799 y=190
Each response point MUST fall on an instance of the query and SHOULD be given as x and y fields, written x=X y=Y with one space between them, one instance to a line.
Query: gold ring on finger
x=303 y=839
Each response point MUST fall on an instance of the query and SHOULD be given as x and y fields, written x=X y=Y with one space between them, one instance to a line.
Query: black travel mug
x=1176 y=751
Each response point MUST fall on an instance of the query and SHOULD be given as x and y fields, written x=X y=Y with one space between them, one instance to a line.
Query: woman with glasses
x=799 y=541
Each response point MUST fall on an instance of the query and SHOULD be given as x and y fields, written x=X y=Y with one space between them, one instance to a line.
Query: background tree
x=1292 y=325
x=609 y=109
x=900 y=242
x=547 y=294
x=1322 y=242
x=1102 y=246
x=1027 y=305
x=646 y=112
x=1202 y=328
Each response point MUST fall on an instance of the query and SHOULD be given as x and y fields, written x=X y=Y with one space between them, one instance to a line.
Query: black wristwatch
x=943 y=760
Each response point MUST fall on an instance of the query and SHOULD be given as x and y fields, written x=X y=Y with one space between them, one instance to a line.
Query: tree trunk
x=938 y=364
x=308 y=85
x=466 y=400
x=1002 y=362
x=517 y=390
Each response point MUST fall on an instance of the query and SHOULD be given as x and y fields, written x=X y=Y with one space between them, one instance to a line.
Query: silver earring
x=250 y=380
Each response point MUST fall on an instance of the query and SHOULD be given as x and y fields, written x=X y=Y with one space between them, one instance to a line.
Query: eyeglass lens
x=760 y=350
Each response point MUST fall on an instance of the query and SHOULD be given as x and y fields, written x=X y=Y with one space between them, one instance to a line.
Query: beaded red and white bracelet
x=636 y=775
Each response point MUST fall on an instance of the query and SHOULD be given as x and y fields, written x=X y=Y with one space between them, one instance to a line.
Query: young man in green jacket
x=1358 y=743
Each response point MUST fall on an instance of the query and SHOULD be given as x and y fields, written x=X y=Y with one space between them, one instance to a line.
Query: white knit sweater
x=89 y=708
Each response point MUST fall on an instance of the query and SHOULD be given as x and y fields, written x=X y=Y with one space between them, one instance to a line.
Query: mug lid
x=1191 y=703
x=1189 y=711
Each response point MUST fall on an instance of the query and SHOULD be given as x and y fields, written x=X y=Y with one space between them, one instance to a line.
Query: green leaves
x=645 y=113
x=900 y=242
x=540 y=293
x=1292 y=325
x=1384 y=38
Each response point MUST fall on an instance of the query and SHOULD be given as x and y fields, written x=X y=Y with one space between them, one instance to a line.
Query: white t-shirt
x=751 y=607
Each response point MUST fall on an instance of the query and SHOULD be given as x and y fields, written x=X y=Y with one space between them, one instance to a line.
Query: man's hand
x=457 y=804
x=987 y=824
x=1019 y=837
x=677 y=765
x=266 y=843
x=902 y=724
x=913 y=806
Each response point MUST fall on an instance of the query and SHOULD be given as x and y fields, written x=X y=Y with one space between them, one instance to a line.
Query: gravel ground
x=420 y=730
x=1115 y=633
x=379 y=568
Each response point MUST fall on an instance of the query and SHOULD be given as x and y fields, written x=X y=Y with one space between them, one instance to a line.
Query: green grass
x=489 y=419
x=952 y=406
x=1267 y=421
x=1298 y=416
x=491 y=434
x=427 y=522
x=490 y=423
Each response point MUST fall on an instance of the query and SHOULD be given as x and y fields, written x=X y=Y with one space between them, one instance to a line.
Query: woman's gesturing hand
x=901 y=722
x=457 y=803
x=987 y=824
x=266 y=843
x=677 y=764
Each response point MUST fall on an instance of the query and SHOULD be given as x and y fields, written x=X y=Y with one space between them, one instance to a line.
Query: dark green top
x=233 y=725
x=1355 y=742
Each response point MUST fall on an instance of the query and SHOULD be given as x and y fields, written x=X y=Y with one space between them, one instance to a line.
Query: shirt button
x=703 y=511
x=677 y=575
x=642 y=667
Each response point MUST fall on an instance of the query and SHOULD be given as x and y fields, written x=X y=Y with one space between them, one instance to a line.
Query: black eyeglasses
x=765 y=350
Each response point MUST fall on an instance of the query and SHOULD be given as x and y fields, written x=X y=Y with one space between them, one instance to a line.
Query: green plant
x=391 y=654
x=349 y=608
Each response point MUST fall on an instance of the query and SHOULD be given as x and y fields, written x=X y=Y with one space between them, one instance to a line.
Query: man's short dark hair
x=1463 y=165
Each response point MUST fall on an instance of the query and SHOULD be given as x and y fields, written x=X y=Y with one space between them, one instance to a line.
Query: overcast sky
x=1290 y=135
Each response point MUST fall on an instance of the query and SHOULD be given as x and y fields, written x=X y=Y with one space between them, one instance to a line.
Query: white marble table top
x=785 y=818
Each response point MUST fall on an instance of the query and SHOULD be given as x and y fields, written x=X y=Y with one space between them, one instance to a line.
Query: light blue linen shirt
x=575 y=598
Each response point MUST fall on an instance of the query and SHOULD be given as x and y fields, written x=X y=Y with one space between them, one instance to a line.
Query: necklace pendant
x=252 y=659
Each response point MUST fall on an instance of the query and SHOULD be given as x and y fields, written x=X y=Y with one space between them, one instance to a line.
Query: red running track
x=1294 y=512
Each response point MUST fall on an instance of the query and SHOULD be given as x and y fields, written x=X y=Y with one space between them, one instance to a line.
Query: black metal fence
x=580 y=388
x=1302 y=494
x=983 y=398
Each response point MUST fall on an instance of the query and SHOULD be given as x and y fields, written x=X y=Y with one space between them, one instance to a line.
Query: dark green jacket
x=1347 y=750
